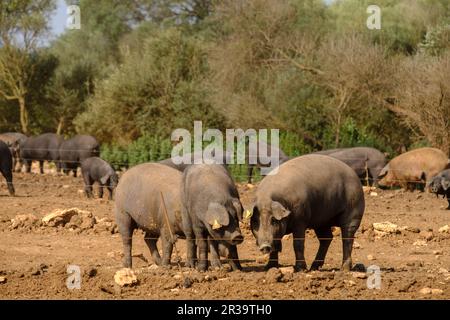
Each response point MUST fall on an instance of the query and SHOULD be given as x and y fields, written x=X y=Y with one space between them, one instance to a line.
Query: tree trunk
x=23 y=115
x=60 y=125
x=338 y=130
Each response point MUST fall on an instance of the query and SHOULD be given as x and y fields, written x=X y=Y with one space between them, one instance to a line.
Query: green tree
x=156 y=89
x=22 y=24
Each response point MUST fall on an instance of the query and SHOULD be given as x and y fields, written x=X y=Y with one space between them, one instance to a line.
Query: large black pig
x=311 y=191
x=211 y=214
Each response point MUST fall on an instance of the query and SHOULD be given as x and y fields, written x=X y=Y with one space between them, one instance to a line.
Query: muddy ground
x=34 y=259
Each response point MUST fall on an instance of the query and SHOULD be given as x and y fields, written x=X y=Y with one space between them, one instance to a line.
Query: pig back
x=139 y=195
x=325 y=185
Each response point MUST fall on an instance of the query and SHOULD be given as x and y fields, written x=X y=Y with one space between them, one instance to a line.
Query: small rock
x=428 y=235
x=177 y=276
x=274 y=275
x=425 y=291
x=3 y=280
x=412 y=229
x=437 y=291
x=359 y=275
x=437 y=252
x=23 y=220
x=420 y=243
x=373 y=194
x=442 y=271
x=92 y=272
x=66 y=186
x=386 y=227
x=62 y=216
x=286 y=270
x=187 y=282
x=174 y=290
x=250 y=186
x=106 y=289
x=125 y=277
x=356 y=245
x=407 y=286
x=370 y=257
x=350 y=283
x=444 y=229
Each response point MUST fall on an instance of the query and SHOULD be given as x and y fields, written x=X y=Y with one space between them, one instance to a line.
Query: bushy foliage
x=154 y=91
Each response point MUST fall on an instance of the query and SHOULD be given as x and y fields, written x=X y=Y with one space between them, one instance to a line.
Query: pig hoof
x=202 y=267
x=316 y=266
x=300 y=267
x=346 y=267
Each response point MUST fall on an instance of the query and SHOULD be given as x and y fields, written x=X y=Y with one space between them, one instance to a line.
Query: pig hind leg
x=150 y=240
x=167 y=245
x=233 y=258
x=325 y=237
x=88 y=185
x=348 y=230
x=8 y=177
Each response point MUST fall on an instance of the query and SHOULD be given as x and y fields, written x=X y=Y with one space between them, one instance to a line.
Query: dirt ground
x=34 y=260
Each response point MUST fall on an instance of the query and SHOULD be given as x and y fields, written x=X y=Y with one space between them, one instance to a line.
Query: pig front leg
x=325 y=237
x=273 y=256
x=202 y=243
x=299 y=248
x=214 y=250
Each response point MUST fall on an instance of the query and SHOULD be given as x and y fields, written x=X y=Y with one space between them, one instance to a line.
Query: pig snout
x=265 y=248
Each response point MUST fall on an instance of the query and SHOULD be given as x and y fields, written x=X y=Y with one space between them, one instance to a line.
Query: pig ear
x=104 y=179
x=238 y=206
x=445 y=184
x=279 y=212
x=384 y=171
x=216 y=215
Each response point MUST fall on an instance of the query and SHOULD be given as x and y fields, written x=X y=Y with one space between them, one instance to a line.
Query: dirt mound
x=73 y=219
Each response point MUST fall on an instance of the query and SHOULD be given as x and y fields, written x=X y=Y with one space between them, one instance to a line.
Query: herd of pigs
x=200 y=202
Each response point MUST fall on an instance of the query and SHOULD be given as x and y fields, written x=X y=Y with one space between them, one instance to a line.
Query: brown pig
x=414 y=167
